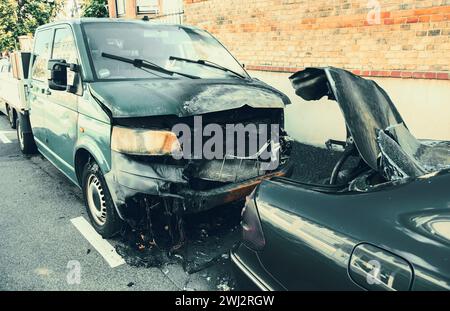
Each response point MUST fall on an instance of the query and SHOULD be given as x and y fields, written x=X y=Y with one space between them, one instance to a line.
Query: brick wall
x=408 y=38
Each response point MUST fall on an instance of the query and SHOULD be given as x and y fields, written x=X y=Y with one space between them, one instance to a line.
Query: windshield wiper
x=207 y=63
x=142 y=63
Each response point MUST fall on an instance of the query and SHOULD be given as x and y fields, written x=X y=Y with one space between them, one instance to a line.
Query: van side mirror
x=62 y=75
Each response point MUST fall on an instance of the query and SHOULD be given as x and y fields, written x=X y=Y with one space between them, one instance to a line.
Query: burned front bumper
x=132 y=178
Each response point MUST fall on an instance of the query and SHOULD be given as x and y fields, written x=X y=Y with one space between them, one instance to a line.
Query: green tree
x=95 y=8
x=22 y=17
x=8 y=21
x=33 y=13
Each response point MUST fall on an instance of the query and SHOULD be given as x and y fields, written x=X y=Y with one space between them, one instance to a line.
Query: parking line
x=102 y=246
x=5 y=139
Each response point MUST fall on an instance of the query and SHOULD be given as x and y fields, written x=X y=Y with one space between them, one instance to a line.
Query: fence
x=171 y=13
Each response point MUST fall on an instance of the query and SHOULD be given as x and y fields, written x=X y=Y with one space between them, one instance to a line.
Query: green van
x=103 y=98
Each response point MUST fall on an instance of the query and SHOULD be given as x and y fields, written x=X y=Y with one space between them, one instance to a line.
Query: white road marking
x=102 y=246
x=3 y=137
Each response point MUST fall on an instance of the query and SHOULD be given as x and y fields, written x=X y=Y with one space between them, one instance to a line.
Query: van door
x=39 y=91
x=62 y=117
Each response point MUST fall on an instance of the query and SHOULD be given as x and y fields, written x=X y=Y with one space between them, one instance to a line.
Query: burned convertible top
x=378 y=131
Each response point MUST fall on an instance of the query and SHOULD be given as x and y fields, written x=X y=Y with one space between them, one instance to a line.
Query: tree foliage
x=8 y=21
x=22 y=17
x=95 y=8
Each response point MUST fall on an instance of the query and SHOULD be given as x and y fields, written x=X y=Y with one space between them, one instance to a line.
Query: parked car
x=381 y=221
x=104 y=96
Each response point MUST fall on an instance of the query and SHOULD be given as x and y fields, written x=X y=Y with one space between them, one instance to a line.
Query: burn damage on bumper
x=190 y=185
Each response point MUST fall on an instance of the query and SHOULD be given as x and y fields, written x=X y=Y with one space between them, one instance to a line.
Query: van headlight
x=143 y=141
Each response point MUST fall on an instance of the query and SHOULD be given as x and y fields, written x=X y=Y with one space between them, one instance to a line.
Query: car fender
x=88 y=144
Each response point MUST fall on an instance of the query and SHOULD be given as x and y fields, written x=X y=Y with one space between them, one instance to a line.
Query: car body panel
x=183 y=97
x=62 y=128
x=310 y=235
x=94 y=136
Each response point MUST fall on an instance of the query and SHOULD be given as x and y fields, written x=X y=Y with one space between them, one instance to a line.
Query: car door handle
x=374 y=268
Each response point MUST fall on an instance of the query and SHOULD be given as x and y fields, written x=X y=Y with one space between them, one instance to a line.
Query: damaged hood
x=379 y=132
x=183 y=97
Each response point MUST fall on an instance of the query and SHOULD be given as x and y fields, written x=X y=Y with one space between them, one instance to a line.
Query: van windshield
x=163 y=45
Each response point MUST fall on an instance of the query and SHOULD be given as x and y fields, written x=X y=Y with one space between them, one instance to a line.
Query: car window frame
x=53 y=28
x=52 y=35
x=66 y=27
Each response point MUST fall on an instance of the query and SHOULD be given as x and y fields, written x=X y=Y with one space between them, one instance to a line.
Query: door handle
x=46 y=91
x=374 y=268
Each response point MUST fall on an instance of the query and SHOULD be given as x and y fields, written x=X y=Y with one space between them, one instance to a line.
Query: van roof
x=79 y=21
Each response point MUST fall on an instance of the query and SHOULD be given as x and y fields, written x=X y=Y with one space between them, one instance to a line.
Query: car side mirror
x=62 y=75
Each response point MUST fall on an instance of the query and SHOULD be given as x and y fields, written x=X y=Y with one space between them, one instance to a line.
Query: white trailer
x=13 y=85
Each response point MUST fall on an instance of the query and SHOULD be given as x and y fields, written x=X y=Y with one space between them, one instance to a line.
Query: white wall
x=170 y=8
x=423 y=104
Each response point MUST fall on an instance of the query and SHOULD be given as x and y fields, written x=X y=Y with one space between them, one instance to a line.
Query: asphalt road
x=41 y=249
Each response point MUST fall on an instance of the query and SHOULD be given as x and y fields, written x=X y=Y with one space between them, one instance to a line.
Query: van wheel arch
x=82 y=156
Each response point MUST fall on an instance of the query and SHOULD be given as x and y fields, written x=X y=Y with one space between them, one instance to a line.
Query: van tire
x=98 y=201
x=26 y=140
x=12 y=118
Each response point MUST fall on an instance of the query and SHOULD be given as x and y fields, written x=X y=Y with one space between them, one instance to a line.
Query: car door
x=38 y=96
x=61 y=120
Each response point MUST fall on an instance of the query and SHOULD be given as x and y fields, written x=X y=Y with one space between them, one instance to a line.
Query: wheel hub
x=96 y=199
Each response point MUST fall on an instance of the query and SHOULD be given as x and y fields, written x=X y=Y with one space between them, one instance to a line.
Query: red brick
x=406 y=74
x=437 y=18
x=418 y=75
x=424 y=18
x=424 y=11
x=260 y=34
x=442 y=76
x=430 y=75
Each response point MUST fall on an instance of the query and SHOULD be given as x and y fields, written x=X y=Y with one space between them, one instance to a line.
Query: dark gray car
x=380 y=221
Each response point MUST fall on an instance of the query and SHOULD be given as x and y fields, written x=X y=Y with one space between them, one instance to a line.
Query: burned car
x=379 y=221
x=106 y=97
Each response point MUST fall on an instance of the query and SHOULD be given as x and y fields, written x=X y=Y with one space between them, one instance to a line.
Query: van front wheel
x=98 y=201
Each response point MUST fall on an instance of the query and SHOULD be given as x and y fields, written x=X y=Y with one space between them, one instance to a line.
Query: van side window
x=42 y=49
x=64 y=46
